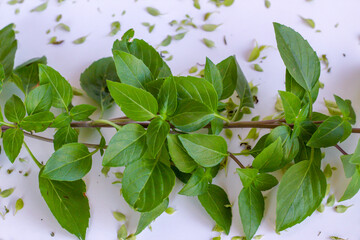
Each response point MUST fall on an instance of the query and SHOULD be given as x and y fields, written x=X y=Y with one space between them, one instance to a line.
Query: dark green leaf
x=301 y=191
x=197 y=184
x=166 y=42
x=243 y=88
x=82 y=112
x=14 y=109
x=292 y=105
x=65 y=135
x=247 y=176
x=270 y=158
x=265 y=181
x=210 y=27
x=126 y=146
x=12 y=141
x=212 y=75
x=71 y=162
x=206 y=150
x=8 y=45
x=68 y=203
x=217 y=126
x=37 y=122
x=209 y=43
x=136 y=103
x=93 y=81
x=167 y=97
x=228 y=72
x=40 y=8
x=39 y=100
x=216 y=204
x=156 y=134
x=251 y=209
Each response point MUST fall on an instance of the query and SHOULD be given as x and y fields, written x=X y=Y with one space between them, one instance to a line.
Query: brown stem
x=341 y=150
x=236 y=160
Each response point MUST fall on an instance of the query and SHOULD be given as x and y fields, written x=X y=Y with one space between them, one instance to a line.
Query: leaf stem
x=236 y=160
x=32 y=156
x=341 y=150
x=109 y=122
x=222 y=117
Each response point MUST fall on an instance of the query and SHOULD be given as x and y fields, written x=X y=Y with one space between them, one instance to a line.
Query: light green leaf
x=68 y=203
x=39 y=100
x=301 y=191
x=206 y=150
x=167 y=97
x=156 y=134
x=63 y=27
x=115 y=28
x=228 y=72
x=37 y=122
x=7 y=192
x=19 y=205
x=353 y=187
x=65 y=135
x=247 y=176
x=61 y=89
x=270 y=158
x=300 y=59
x=119 y=216
x=349 y=168
x=346 y=109
x=216 y=202
x=308 y=21
x=153 y=11
x=12 y=141
x=212 y=75
x=62 y=120
x=69 y=163
x=209 y=43
x=80 y=40
x=14 y=109
x=179 y=156
x=82 y=112
x=126 y=146
x=154 y=182
x=8 y=49
x=136 y=103
x=264 y=181
x=251 y=209
x=166 y=42
x=131 y=70
x=292 y=105
x=40 y=8
x=210 y=27
x=197 y=184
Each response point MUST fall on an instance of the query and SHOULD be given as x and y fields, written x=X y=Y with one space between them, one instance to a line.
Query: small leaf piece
x=7 y=192
x=12 y=141
x=119 y=216
x=80 y=40
x=14 y=109
x=210 y=27
x=153 y=11
x=156 y=134
x=353 y=187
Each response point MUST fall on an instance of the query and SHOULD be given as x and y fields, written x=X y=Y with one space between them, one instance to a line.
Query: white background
x=242 y=23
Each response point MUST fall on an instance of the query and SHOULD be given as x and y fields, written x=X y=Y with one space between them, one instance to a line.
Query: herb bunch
x=158 y=139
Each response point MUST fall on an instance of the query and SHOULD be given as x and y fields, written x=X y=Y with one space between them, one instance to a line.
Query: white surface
x=245 y=21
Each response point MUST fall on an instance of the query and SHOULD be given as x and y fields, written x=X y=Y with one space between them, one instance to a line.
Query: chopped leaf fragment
x=321 y=208
x=209 y=43
x=119 y=216
x=196 y=4
x=115 y=28
x=257 y=68
x=308 y=21
x=267 y=4
x=7 y=192
x=193 y=69
x=54 y=41
x=18 y=205
x=153 y=11
x=122 y=232
x=210 y=27
x=80 y=40
x=170 y=210
x=217 y=228
x=58 y=18
x=341 y=208
x=166 y=41
x=40 y=8
x=63 y=26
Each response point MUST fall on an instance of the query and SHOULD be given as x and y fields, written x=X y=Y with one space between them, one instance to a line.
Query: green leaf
x=65 y=135
x=2 y=77
x=156 y=134
x=12 y=141
x=353 y=187
x=60 y=88
x=28 y=72
x=69 y=163
x=349 y=168
x=197 y=184
x=209 y=43
x=93 y=81
x=301 y=191
x=8 y=49
x=40 y=8
x=68 y=203
x=216 y=202
x=82 y=112
x=14 y=109
x=191 y=115
x=251 y=209
x=18 y=205
x=228 y=72
x=179 y=156
x=197 y=89
x=346 y=109
x=115 y=28
x=37 y=122
x=136 y=103
x=217 y=126
x=329 y=133
x=153 y=11
x=126 y=146
x=131 y=70
x=167 y=97
x=206 y=150
x=308 y=21
x=39 y=100
x=62 y=120
x=243 y=88
x=292 y=105
x=300 y=59
x=154 y=182
x=247 y=176
x=212 y=75
x=80 y=40
x=210 y=27
x=147 y=218
x=355 y=157
x=264 y=181
x=270 y=158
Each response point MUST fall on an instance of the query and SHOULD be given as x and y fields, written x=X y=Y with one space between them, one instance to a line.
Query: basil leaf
x=264 y=182
x=62 y=120
x=355 y=157
x=179 y=156
x=65 y=135
x=14 y=109
x=126 y=146
x=154 y=87
x=292 y=105
x=167 y=97
x=270 y=158
x=197 y=184
x=212 y=75
x=93 y=81
x=301 y=191
x=198 y=89
x=8 y=49
x=68 y=203
x=346 y=109
x=136 y=103
x=156 y=134
x=2 y=77
x=147 y=218
x=12 y=141
x=37 y=122
x=82 y=112
x=28 y=72
x=39 y=100
x=216 y=202
x=217 y=126
x=243 y=88
x=251 y=209
x=191 y=115
x=206 y=150
x=154 y=182
x=69 y=163
x=60 y=88
x=349 y=168
x=228 y=72
x=329 y=133
x=300 y=59
x=247 y=176
x=131 y=70
x=353 y=186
